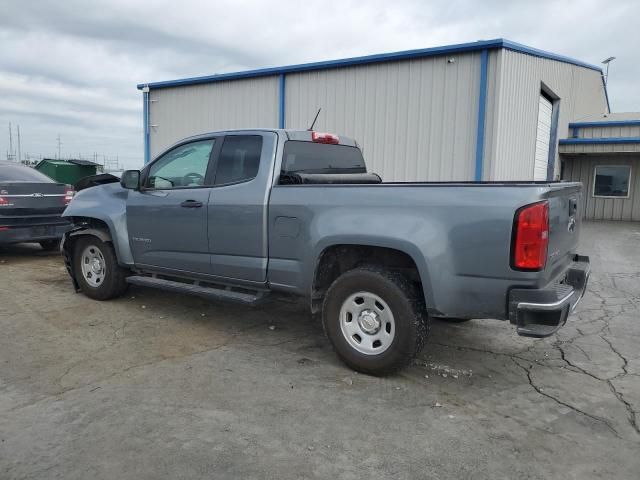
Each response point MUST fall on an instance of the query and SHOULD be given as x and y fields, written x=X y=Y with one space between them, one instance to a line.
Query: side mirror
x=130 y=179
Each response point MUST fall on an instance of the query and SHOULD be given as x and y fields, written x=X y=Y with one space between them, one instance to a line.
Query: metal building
x=603 y=152
x=487 y=110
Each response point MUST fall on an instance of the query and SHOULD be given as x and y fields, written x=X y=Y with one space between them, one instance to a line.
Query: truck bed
x=459 y=234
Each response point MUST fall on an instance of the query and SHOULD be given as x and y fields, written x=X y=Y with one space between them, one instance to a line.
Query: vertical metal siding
x=600 y=148
x=414 y=119
x=514 y=108
x=581 y=169
x=614 y=131
x=179 y=112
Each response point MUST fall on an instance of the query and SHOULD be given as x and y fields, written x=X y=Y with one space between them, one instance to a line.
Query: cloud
x=70 y=68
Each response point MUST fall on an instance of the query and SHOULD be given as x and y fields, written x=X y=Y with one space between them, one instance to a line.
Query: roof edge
x=369 y=59
x=601 y=141
x=612 y=123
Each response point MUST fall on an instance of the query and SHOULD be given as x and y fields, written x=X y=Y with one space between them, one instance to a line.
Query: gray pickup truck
x=237 y=215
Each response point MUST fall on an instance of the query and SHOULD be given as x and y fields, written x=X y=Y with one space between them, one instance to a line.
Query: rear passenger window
x=239 y=159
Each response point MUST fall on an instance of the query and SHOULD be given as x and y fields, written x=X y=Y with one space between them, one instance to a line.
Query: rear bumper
x=541 y=312
x=33 y=233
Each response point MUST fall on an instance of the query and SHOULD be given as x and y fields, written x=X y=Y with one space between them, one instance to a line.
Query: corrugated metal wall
x=600 y=148
x=581 y=169
x=613 y=131
x=415 y=119
x=179 y=112
x=513 y=107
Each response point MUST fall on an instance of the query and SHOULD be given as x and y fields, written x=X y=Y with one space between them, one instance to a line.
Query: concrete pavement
x=157 y=385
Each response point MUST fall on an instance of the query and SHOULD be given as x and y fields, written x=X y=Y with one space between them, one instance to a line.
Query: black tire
x=409 y=316
x=50 y=245
x=113 y=284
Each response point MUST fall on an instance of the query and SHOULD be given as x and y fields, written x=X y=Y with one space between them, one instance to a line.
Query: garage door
x=543 y=138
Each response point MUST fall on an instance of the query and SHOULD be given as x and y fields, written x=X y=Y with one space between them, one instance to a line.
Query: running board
x=250 y=297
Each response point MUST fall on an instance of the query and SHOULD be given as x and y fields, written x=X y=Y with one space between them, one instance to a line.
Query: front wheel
x=375 y=320
x=96 y=269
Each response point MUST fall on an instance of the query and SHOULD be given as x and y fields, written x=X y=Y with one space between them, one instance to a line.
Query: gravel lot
x=157 y=385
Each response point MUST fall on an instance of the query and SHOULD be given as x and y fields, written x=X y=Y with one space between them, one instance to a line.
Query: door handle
x=191 y=204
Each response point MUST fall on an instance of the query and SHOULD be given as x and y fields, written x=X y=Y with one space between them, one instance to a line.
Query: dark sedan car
x=31 y=205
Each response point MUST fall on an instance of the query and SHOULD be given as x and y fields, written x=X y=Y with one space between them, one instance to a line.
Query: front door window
x=184 y=166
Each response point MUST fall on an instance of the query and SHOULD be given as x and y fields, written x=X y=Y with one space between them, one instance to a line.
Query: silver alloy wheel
x=93 y=266
x=367 y=323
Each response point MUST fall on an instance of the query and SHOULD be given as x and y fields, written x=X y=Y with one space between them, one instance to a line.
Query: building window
x=612 y=181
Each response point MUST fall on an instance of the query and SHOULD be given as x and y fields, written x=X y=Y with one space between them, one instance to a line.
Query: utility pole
x=606 y=62
x=59 y=143
x=10 y=155
x=19 y=146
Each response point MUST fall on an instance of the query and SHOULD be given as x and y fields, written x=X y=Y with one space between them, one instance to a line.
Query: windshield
x=20 y=173
x=309 y=157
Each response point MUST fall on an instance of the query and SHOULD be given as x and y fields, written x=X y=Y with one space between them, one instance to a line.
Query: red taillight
x=330 y=138
x=68 y=195
x=4 y=201
x=531 y=237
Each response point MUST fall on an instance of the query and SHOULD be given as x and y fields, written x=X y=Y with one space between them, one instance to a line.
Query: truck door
x=238 y=206
x=167 y=218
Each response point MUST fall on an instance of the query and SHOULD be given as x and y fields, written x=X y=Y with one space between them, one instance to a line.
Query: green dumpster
x=66 y=171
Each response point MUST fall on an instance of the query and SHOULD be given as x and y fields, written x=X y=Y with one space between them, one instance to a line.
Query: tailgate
x=565 y=217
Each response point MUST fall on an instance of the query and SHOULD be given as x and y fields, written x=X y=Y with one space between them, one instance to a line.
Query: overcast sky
x=71 y=67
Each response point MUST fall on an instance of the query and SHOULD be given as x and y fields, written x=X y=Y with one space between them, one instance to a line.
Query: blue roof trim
x=613 y=123
x=369 y=59
x=518 y=47
x=601 y=141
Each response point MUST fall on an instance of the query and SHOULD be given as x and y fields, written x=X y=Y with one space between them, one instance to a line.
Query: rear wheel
x=96 y=269
x=375 y=320
x=50 y=245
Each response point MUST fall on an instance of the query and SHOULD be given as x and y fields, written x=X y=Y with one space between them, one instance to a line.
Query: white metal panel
x=179 y=112
x=514 y=124
x=543 y=139
x=415 y=120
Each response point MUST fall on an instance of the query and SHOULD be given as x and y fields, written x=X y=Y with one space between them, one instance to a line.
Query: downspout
x=145 y=122
x=482 y=105
x=281 y=103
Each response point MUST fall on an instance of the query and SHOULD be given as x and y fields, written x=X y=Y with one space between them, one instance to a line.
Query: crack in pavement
x=631 y=414
x=564 y=404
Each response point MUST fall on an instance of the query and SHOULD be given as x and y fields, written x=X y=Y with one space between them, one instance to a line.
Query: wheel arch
x=335 y=258
x=105 y=230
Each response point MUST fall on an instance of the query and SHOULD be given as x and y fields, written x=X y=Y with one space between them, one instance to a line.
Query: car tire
x=96 y=269
x=370 y=305
x=50 y=245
